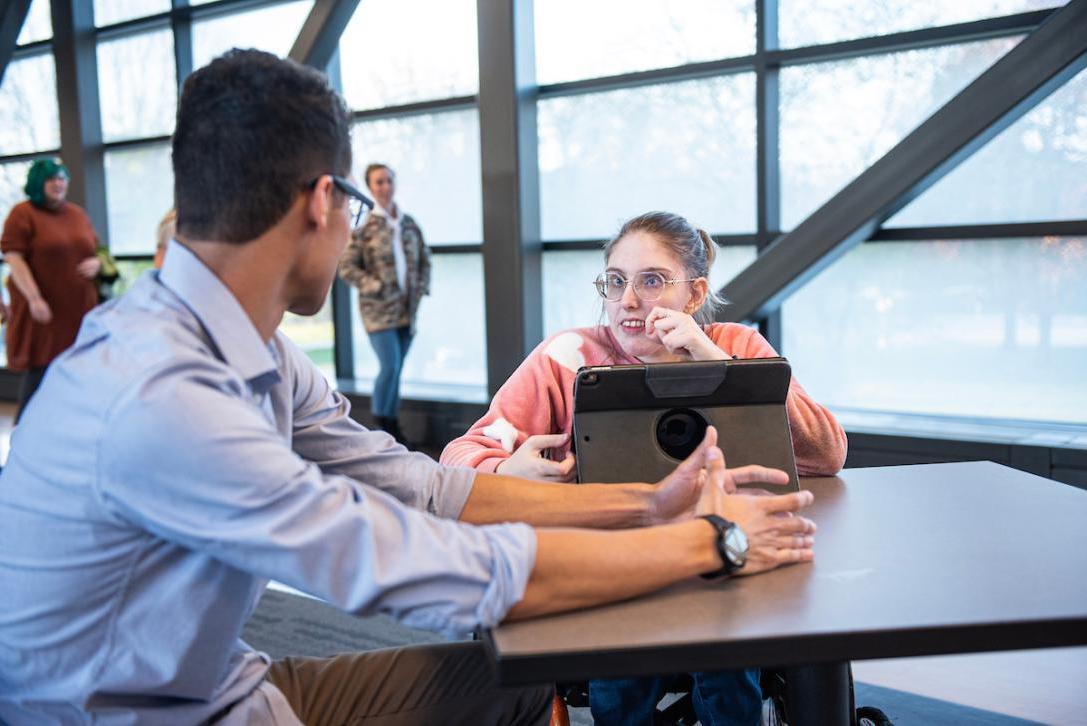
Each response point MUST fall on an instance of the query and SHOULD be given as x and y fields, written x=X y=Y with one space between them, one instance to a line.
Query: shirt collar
x=378 y=209
x=214 y=305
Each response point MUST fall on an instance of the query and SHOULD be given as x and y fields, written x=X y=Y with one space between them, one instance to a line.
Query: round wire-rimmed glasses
x=648 y=286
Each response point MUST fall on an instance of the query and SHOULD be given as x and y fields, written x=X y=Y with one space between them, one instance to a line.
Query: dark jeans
x=391 y=347
x=31 y=380
x=720 y=697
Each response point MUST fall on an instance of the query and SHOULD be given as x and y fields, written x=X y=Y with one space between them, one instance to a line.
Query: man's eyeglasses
x=649 y=286
x=357 y=202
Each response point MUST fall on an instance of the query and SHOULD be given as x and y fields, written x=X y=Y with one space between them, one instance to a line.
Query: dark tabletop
x=910 y=560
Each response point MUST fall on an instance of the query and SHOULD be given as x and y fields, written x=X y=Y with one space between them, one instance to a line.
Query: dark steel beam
x=460 y=248
x=512 y=251
x=318 y=46
x=77 y=99
x=29 y=156
x=29 y=50
x=989 y=28
x=134 y=26
x=181 y=26
x=1007 y=230
x=1010 y=25
x=597 y=244
x=767 y=156
x=343 y=330
x=319 y=38
x=12 y=16
x=686 y=72
x=135 y=143
x=1040 y=64
x=455 y=103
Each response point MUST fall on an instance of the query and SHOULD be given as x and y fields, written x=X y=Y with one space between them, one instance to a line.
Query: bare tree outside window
x=28 y=106
x=803 y=22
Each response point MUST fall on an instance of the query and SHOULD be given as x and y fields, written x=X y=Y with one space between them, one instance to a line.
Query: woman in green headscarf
x=50 y=245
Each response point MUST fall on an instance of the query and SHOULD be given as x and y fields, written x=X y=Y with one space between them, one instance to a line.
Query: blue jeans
x=719 y=697
x=391 y=347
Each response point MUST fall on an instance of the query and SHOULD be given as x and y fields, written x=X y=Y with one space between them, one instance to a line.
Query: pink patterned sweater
x=538 y=399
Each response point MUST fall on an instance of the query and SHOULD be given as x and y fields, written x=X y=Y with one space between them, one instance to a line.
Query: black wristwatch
x=731 y=545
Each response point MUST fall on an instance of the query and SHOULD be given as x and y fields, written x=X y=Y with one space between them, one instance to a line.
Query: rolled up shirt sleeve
x=220 y=480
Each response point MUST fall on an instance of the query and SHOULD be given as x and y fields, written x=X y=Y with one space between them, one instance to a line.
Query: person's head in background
x=257 y=143
x=657 y=260
x=381 y=181
x=47 y=183
x=167 y=231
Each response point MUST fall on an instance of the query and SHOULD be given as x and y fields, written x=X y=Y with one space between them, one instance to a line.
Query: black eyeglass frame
x=357 y=202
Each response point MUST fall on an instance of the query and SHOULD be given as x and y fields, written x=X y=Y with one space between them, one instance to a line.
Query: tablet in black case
x=637 y=422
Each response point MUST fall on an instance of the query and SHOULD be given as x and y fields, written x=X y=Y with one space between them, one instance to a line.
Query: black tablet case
x=623 y=413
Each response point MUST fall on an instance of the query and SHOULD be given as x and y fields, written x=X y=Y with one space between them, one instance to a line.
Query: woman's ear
x=700 y=290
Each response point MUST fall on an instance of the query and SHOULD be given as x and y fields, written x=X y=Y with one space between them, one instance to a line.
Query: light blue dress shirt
x=171 y=463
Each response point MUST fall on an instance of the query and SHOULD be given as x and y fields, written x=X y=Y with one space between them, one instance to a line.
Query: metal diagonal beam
x=12 y=16
x=320 y=35
x=1040 y=64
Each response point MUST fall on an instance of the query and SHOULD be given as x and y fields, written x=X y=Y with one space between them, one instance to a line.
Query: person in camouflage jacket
x=387 y=260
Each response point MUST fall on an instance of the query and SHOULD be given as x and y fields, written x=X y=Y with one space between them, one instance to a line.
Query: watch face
x=736 y=546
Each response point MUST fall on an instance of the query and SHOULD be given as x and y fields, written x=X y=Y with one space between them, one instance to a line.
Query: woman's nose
x=630 y=298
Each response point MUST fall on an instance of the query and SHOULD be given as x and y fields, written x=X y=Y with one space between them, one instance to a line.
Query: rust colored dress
x=53 y=242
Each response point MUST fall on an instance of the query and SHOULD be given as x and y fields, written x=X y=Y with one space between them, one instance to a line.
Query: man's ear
x=700 y=290
x=320 y=202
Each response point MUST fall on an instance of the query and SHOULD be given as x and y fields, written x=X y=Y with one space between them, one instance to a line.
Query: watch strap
x=722 y=526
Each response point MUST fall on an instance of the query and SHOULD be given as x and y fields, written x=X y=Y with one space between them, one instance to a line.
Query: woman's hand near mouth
x=681 y=335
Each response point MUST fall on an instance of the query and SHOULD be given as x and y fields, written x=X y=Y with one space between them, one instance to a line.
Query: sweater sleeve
x=819 y=442
x=18 y=231
x=537 y=399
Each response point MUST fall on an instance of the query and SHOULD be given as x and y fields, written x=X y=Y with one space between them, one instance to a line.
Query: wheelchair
x=780 y=687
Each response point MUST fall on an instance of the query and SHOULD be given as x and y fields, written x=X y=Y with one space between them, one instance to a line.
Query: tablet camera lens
x=680 y=431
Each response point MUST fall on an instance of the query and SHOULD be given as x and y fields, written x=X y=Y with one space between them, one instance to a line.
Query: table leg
x=818 y=695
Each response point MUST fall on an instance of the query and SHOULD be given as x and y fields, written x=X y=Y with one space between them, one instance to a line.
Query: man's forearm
x=497 y=498
x=581 y=568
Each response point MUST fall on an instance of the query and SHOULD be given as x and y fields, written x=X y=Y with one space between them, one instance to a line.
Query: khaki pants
x=435 y=684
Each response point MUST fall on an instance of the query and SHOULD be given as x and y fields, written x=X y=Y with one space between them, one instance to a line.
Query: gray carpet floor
x=286 y=624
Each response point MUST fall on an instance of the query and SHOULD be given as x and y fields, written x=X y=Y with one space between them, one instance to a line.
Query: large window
x=448 y=355
x=1035 y=170
x=837 y=118
x=388 y=57
x=981 y=328
x=808 y=22
x=28 y=106
x=685 y=147
x=436 y=160
x=139 y=191
x=272 y=28
x=655 y=104
x=107 y=12
x=137 y=85
x=577 y=39
x=314 y=335
x=12 y=180
x=38 y=25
